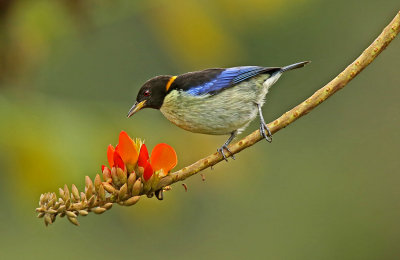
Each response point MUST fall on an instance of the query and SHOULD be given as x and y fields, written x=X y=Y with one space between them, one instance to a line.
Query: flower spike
x=130 y=175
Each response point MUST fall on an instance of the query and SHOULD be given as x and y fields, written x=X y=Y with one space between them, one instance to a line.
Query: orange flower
x=127 y=149
x=110 y=155
x=148 y=172
x=143 y=156
x=163 y=157
x=125 y=156
x=118 y=162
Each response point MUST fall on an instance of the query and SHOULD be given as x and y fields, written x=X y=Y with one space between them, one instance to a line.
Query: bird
x=217 y=101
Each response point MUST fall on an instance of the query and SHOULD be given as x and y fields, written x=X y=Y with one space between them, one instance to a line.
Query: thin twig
x=368 y=55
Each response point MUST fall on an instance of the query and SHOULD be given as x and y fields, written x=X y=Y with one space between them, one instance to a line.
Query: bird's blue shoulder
x=212 y=81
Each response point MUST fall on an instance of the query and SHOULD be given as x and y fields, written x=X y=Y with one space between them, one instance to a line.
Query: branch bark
x=368 y=55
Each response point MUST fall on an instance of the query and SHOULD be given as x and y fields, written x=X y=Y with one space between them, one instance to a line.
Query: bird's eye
x=146 y=93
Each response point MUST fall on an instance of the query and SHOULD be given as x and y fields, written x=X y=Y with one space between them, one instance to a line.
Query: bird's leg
x=225 y=146
x=263 y=126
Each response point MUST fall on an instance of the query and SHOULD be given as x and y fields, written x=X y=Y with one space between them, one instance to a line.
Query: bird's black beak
x=136 y=107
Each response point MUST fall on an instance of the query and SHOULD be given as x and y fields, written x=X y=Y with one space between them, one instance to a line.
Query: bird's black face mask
x=151 y=94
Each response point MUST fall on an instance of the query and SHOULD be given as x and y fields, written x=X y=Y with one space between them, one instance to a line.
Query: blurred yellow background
x=327 y=187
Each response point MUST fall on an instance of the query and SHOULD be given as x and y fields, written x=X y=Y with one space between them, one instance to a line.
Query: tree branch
x=368 y=55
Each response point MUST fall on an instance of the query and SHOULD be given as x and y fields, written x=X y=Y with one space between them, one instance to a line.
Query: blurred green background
x=326 y=188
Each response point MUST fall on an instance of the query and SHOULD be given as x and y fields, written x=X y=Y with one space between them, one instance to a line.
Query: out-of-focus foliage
x=326 y=188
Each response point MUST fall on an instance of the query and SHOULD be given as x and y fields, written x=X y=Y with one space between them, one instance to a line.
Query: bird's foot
x=221 y=151
x=267 y=135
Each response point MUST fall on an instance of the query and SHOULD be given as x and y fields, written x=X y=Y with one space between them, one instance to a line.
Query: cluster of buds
x=130 y=174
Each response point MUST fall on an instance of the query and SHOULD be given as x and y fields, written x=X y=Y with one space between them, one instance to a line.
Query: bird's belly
x=206 y=120
x=215 y=115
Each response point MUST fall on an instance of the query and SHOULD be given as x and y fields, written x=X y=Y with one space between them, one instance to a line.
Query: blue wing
x=227 y=78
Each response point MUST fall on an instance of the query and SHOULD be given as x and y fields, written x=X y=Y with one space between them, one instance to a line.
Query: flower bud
x=107 y=206
x=121 y=175
x=102 y=193
x=83 y=212
x=75 y=192
x=137 y=187
x=66 y=192
x=97 y=183
x=131 y=181
x=114 y=177
x=99 y=210
x=88 y=182
x=131 y=201
x=123 y=192
x=106 y=173
x=73 y=221
x=109 y=188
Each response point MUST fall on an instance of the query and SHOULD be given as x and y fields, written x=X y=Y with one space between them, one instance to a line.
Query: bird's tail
x=294 y=66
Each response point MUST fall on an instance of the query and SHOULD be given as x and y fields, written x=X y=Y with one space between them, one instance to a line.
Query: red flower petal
x=110 y=155
x=118 y=160
x=127 y=149
x=148 y=172
x=163 y=157
x=143 y=156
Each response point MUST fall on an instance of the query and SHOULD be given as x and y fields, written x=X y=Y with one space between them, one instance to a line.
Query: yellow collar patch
x=170 y=81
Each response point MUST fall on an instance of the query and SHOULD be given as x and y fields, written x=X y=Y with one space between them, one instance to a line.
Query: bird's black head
x=151 y=94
